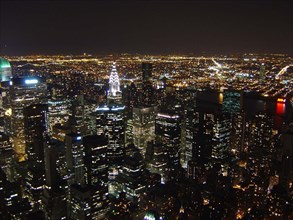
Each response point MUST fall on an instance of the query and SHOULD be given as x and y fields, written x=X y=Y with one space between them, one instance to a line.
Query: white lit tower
x=114 y=93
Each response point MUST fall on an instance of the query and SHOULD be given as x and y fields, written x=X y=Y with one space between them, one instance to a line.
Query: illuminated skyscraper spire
x=114 y=82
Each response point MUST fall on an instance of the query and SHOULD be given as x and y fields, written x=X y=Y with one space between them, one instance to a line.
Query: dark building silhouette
x=146 y=71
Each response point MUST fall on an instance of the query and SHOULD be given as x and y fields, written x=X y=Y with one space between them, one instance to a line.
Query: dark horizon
x=141 y=27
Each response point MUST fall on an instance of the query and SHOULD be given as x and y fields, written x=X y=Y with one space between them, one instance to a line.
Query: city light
x=131 y=142
x=281 y=100
x=31 y=81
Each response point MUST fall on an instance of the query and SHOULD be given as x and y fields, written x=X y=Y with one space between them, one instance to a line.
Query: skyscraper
x=5 y=149
x=96 y=163
x=58 y=113
x=5 y=70
x=146 y=71
x=82 y=203
x=111 y=123
x=75 y=158
x=18 y=94
x=192 y=121
x=35 y=126
x=233 y=105
x=211 y=135
x=50 y=160
x=286 y=176
x=53 y=199
x=220 y=135
x=114 y=93
x=158 y=160
x=262 y=73
x=96 y=160
x=168 y=132
x=143 y=126
x=232 y=101
x=130 y=180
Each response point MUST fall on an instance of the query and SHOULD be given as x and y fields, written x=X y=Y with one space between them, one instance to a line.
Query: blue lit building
x=232 y=101
x=5 y=70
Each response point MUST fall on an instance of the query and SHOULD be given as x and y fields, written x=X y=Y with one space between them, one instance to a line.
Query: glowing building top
x=114 y=82
x=5 y=70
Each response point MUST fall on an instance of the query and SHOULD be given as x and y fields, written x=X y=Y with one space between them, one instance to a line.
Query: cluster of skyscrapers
x=142 y=153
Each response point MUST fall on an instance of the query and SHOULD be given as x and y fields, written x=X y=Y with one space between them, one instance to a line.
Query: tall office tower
x=96 y=163
x=262 y=73
x=5 y=74
x=114 y=93
x=286 y=175
x=50 y=159
x=188 y=97
x=158 y=160
x=54 y=205
x=82 y=202
x=212 y=135
x=261 y=144
x=75 y=158
x=263 y=130
x=5 y=70
x=232 y=101
x=237 y=135
x=14 y=205
x=129 y=132
x=5 y=149
x=58 y=113
x=233 y=105
x=53 y=199
x=147 y=94
x=191 y=131
x=77 y=120
x=130 y=180
x=260 y=157
x=220 y=135
x=202 y=147
x=35 y=126
x=83 y=119
x=18 y=94
x=197 y=171
x=90 y=118
x=35 y=122
x=131 y=96
x=111 y=123
x=34 y=184
x=143 y=127
x=146 y=71
x=168 y=132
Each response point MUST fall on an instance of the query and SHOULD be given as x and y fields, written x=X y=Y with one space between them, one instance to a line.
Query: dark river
x=252 y=104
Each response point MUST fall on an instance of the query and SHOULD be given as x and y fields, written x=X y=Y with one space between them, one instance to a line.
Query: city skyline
x=146 y=27
x=146 y=137
x=146 y=110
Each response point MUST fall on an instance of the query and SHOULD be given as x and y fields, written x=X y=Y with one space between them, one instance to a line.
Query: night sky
x=146 y=27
